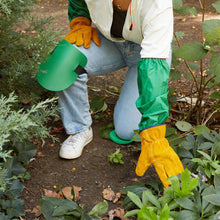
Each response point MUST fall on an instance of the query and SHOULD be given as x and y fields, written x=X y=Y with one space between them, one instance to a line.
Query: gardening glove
x=155 y=149
x=82 y=32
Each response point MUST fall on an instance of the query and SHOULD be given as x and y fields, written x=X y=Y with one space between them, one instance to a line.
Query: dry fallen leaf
x=50 y=193
x=118 y=212
x=37 y=211
x=117 y=197
x=67 y=192
x=108 y=194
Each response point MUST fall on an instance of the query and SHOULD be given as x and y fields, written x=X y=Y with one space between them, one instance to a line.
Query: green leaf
x=209 y=25
x=188 y=184
x=175 y=74
x=165 y=213
x=26 y=151
x=216 y=5
x=99 y=208
x=191 y=51
x=170 y=131
x=177 y=4
x=182 y=152
x=137 y=188
x=189 y=144
x=206 y=156
x=52 y=207
x=215 y=64
x=136 y=137
x=115 y=160
x=205 y=146
x=65 y=210
x=213 y=38
x=187 y=215
x=186 y=203
x=47 y=209
x=181 y=35
x=186 y=10
x=200 y=128
x=131 y=213
x=72 y=194
x=3 y=217
x=14 y=167
x=215 y=95
x=175 y=184
x=146 y=213
x=135 y=199
x=15 y=189
x=151 y=198
x=213 y=199
x=104 y=130
x=206 y=134
x=97 y=104
x=183 y=126
x=174 y=139
x=188 y=76
x=16 y=208
x=217 y=183
x=216 y=147
x=194 y=66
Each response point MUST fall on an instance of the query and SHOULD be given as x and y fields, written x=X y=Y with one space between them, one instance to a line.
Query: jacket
x=148 y=22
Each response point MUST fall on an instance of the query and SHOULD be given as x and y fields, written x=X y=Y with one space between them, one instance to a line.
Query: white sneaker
x=73 y=146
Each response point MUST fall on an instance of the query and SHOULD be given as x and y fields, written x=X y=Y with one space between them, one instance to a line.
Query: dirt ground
x=92 y=171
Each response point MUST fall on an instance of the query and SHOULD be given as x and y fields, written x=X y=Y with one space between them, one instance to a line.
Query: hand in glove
x=82 y=32
x=156 y=150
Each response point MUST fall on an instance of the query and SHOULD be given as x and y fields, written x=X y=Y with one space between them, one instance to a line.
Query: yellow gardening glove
x=82 y=32
x=155 y=149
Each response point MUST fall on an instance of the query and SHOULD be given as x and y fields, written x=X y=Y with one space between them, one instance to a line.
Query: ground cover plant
x=23 y=119
x=194 y=134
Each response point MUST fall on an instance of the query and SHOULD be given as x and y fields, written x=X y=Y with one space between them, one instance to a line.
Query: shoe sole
x=69 y=157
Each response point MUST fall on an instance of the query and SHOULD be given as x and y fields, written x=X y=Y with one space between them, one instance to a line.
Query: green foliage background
x=25 y=41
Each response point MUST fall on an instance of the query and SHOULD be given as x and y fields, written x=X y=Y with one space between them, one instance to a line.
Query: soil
x=92 y=171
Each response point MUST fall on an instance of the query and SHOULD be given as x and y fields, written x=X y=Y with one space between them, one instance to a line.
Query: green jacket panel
x=153 y=77
x=77 y=8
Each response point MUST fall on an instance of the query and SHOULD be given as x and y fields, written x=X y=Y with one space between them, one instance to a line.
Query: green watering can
x=61 y=67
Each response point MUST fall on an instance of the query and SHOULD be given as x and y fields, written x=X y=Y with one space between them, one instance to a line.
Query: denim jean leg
x=74 y=106
x=126 y=114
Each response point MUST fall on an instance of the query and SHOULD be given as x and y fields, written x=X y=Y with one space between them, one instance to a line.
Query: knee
x=124 y=132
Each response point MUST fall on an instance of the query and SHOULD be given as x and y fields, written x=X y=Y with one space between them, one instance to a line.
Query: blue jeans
x=109 y=57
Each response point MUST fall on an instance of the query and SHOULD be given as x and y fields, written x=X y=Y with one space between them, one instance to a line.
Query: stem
x=105 y=90
x=217 y=110
x=201 y=87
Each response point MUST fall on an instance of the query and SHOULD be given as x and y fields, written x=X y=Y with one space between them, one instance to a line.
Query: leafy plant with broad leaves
x=116 y=157
x=153 y=207
x=186 y=198
x=192 y=148
x=195 y=55
x=56 y=208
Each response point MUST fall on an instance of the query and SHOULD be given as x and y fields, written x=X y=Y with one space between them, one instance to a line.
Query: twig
x=105 y=90
x=217 y=110
x=174 y=110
